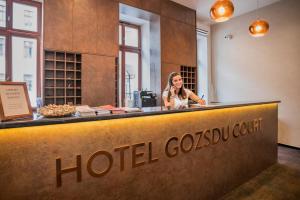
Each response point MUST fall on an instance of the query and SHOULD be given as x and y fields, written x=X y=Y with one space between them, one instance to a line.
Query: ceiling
x=240 y=7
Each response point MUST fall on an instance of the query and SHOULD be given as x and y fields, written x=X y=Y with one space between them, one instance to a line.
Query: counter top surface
x=40 y=121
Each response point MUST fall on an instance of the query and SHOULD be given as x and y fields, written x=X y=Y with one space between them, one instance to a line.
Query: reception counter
x=196 y=153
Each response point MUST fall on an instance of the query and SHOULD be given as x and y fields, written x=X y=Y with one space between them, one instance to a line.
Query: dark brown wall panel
x=178 y=12
x=166 y=69
x=166 y=8
x=58 y=24
x=178 y=42
x=134 y=3
x=149 y=5
x=108 y=27
x=85 y=26
x=98 y=80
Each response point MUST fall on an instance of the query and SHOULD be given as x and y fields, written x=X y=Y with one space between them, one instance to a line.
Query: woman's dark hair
x=181 y=92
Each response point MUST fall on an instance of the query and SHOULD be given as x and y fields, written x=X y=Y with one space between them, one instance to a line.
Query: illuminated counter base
x=188 y=155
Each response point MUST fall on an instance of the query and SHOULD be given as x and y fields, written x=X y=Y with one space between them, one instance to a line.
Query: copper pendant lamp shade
x=259 y=28
x=222 y=10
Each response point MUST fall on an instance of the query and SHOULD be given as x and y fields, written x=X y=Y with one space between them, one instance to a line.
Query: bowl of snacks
x=53 y=110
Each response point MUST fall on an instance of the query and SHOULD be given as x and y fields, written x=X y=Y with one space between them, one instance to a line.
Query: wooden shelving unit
x=189 y=76
x=62 y=77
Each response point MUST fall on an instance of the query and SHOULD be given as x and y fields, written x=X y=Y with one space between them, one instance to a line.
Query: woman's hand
x=201 y=102
x=172 y=90
x=197 y=99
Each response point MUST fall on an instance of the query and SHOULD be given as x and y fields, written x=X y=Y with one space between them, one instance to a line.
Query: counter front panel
x=187 y=155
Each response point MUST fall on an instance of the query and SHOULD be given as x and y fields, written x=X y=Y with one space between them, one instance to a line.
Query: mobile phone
x=174 y=87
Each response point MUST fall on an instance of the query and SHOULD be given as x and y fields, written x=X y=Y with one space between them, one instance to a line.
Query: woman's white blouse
x=178 y=101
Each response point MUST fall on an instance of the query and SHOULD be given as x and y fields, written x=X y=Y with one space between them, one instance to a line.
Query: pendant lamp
x=259 y=27
x=222 y=10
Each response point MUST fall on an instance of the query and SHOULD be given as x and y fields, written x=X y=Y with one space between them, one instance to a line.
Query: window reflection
x=28 y=17
x=131 y=37
x=28 y=80
x=24 y=17
x=24 y=65
x=2 y=58
x=2 y=13
x=120 y=34
x=28 y=49
x=131 y=74
x=120 y=78
x=2 y=40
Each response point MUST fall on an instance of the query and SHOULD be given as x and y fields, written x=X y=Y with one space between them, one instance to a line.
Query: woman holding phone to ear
x=176 y=96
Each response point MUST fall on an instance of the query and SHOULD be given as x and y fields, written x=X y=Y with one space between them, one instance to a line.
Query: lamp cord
x=257 y=6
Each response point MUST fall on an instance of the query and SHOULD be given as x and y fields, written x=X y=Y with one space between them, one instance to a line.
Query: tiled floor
x=279 y=182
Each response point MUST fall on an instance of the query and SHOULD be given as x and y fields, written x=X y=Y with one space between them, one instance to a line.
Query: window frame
x=9 y=32
x=125 y=48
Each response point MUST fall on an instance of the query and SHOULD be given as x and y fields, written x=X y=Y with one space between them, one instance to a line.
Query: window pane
x=131 y=74
x=24 y=17
x=202 y=46
x=2 y=58
x=120 y=77
x=2 y=13
x=24 y=64
x=131 y=37
x=120 y=34
x=28 y=45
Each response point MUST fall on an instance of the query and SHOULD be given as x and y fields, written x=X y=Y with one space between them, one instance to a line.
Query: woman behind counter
x=176 y=96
